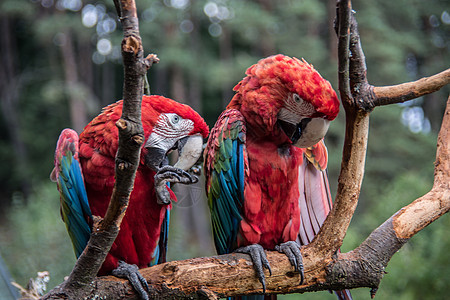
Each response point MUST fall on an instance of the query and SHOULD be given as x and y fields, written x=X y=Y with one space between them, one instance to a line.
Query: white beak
x=313 y=132
x=190 y=152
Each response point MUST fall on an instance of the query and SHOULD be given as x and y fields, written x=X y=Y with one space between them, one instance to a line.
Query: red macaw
x=142 y=239
x=265 y=162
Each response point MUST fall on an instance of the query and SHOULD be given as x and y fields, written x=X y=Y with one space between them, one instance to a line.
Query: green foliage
x=18 y=8
x=418 y=270
x=34 y=238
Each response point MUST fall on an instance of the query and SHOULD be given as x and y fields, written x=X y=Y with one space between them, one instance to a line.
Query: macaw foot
x=170 y=174
x=259 y=260
x=292 y=251
x=137 y=281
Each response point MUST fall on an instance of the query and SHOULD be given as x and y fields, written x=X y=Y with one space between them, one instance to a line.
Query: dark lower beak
x=294 y=131
x=189 y=150
x=155 y=157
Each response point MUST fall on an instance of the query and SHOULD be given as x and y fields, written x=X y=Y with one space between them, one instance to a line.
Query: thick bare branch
x=335 y=226
x=385 y=95
x=431 y=206
x=226 y=275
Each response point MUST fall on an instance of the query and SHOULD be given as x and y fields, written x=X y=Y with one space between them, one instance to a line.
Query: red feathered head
x=287 y=93
x=168 y=125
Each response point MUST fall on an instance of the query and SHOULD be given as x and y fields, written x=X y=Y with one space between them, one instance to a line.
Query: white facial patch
x=168 y=129
x=295 y=110
x=295 y=104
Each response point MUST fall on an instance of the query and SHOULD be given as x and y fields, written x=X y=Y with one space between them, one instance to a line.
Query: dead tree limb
x=332 y=233
x=385 y=95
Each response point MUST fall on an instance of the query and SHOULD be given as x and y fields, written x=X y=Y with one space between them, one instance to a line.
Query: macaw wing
x=315 y=198
x=75 y=210
x=226 y=165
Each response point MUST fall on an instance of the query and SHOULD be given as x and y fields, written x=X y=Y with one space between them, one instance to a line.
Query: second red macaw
x=265 y=162
x=84 y=172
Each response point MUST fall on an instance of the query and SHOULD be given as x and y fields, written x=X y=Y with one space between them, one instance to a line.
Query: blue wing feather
x=159 y=254
x=75 y=209
x=224 y=169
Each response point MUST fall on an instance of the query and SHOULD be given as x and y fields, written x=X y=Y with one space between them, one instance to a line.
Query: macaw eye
x=297 y=98
x=175 y=119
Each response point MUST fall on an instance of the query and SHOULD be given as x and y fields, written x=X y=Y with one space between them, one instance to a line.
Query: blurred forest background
x=61 y=62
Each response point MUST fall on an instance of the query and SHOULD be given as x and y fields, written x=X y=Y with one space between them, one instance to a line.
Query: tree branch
x=385 y=95
x=423 y=211
x=387 y=239
x=131 y=137
x=343 y=12
x=351 y=73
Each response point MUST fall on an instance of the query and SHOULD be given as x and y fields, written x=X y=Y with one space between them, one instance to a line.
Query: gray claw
x=170 y=174
x=292 y=250
x=137 y=281
x=174 y=175
x=259 y=259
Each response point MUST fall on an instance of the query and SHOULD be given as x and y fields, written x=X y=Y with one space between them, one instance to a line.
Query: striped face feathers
x=296 y=119
x=171 y=132
x=169 y=128
x=287 y=93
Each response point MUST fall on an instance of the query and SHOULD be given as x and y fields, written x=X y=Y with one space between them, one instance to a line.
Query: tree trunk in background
x=10 y=85
x=85 y=64
x=177 y=84
x=108 y=84
x=195 y=88
x=432 y=107
x=160 y=79
x=192 y=216
x=433 y=110
x=332 y=39
x=191 y=209
x=226 y=54
x=77 y=106
x=267 y=42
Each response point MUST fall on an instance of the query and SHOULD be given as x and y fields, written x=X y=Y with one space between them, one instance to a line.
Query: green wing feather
x=225 y=165
x=75 y=210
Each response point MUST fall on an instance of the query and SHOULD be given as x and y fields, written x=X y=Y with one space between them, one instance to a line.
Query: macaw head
x=286 y=98
x=169 y=125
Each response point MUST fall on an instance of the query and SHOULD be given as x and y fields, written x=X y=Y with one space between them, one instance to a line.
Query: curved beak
x=189 y=149
x=190 y=152
x=306 y=133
